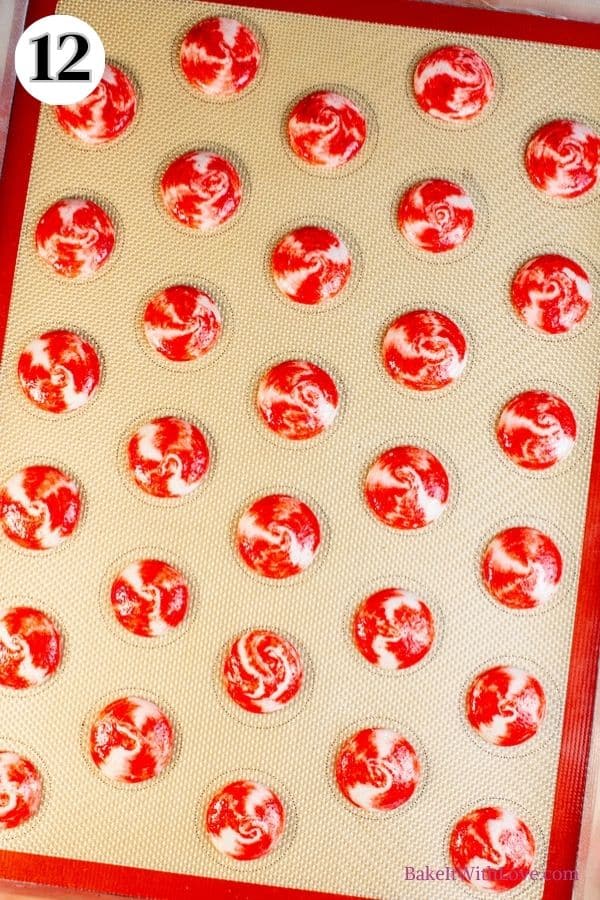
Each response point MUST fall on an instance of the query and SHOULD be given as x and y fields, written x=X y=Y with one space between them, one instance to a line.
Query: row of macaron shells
x=378 y=619
x=376 y=769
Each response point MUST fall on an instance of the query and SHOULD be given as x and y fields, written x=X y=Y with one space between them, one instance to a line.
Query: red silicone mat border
x=579 y=708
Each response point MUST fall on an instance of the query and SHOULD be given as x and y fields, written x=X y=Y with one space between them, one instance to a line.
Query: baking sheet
x=347 y=851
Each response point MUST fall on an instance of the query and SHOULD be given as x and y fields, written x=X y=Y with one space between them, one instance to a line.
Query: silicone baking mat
x=425 y=574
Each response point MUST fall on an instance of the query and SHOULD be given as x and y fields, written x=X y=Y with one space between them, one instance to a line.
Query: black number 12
x=67 y=73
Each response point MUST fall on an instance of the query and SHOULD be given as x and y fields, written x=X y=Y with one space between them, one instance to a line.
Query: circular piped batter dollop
x=263 y=671
x=40 y=507
x=103 y=115
x=59 y=371
x=424 y=350
x=245 y=820
x=150 y=597
x=182 y=323
x=297 y=400
x=536 y=429
x=220 y=57
x=453 y=84
x=393 y=629
x=522 y=568
x=75 y=237
x=21 y=789
x=407 y=487
x=131 y=740
x=201 y=190
x=505 y=705
x=436 y=215
x=311 y=265
x=168 y=457
x=551 y=294
x=278 y=536
x=377 y=769
x=563 y=159
x=491 y=848
x=326 y=129
x=30 y=647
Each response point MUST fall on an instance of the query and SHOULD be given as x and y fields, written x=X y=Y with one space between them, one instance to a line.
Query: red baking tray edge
x=579 y=707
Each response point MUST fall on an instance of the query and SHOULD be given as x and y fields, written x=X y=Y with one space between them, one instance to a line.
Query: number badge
x=59 y=59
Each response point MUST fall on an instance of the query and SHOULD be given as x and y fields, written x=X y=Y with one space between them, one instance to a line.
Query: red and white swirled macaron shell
x=424 y=350
x=551 y=294
x=245 y=820
x=168 y=457
x=407 y=487
x=491 y=848
x=150 y=597
x=263 y=671
x=377 y=769
x=436 y=215
x=393 y=629
x=131 y=740
x=75 y=237
x=59 y=371
x=103 y=115
x=21 y=789
x=563 y=159
x=326 y=129
x=220 y=57
x=182 y=323
x=297 y=400
x=311 y=265
x=40 y=507
x=453 y=84
x=505 y=705
x=536 y=430
x=278 y=536
x=201 y=190
x=522 y=568
x=30 y=647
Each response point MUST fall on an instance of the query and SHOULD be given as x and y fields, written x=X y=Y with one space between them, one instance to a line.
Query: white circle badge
x=59 y=59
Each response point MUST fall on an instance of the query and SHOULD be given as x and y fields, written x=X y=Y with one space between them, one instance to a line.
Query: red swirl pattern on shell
x=505 y=705
x=453 y=84
x=168 y=457
x=131 y=740
x=436 y=215
x=326 y=129
x=407 y=487
x=30 y=647
x=75 y=237
x=536 y=429
x=297 y=400
x=245 y=820
x=311 y=265
x=40 y=507
x=182 y=323
x=21 y=789
x=522 y=568
x=201 y=190
x=278 y=536
x=492 y=849
x=377 y=769
x=424 y=350
x=59 y=371
x=263 y=671
x=150 y=597
x=393 y=629
x=103 y=115
x=551 y=294
x=219 y=56
x=563 y=159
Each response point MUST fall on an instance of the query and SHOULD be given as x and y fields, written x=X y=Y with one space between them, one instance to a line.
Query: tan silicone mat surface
x=329 y=847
